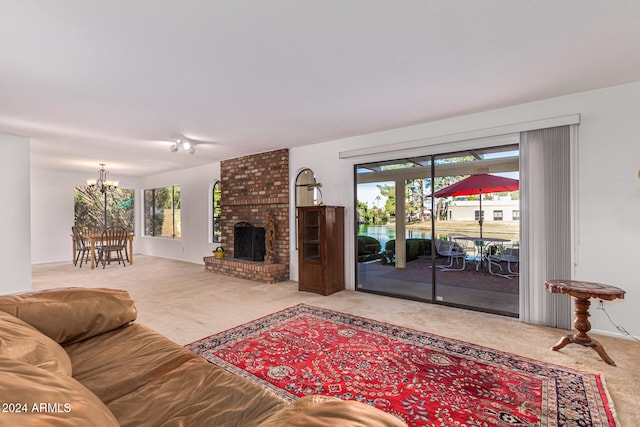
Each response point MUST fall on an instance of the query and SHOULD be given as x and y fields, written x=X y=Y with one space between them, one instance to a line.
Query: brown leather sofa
x=75 y=357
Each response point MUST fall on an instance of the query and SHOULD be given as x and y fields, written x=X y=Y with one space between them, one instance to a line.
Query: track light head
x=180 y=143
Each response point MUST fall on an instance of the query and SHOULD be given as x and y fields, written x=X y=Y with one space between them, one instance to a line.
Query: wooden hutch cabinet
x=321 y=249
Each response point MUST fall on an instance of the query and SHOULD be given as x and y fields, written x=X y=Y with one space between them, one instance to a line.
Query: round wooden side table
x=581 y=292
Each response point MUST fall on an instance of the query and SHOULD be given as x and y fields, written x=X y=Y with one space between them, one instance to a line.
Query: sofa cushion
x=34 y=397
x=146 y=379
x=118 y=362
x=20 y=341
x=72 y=314
x=325 y=411
x=197 y=394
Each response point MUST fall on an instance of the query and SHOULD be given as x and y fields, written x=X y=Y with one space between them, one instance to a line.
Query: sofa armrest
x=72 y=314
x=325 y=411
x=35 y=397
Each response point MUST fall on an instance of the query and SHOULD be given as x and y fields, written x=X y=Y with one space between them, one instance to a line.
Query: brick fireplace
x=253 y=188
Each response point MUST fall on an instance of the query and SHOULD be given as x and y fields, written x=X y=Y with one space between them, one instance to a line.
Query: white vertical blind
x=546 y=224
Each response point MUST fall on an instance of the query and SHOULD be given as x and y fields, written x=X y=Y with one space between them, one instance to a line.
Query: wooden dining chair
x=113 y=246
x=82 y=250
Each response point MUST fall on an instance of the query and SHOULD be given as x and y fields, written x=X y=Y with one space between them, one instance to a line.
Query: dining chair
x=81 y=248
x=113 y=246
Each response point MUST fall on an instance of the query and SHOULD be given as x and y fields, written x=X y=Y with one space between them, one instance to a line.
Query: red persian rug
x=425 y=379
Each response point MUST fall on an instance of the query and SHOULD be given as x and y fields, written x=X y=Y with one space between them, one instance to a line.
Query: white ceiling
x=94 y=81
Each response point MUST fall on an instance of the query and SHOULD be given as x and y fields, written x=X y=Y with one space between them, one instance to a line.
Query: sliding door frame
x=483 y=138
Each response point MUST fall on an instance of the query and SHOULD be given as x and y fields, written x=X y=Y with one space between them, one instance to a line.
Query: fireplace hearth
x=248 y=242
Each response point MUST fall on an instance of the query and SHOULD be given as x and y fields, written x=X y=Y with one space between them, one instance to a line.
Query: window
x=306 y=188
x=216 y=223
x=162 y=212
x=307 y=193
x=96 y=211
x=497 y=215
x=515 y=214
x=476 y=214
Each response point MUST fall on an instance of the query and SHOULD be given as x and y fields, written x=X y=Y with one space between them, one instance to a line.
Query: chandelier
x=102 y=183
x=184 y=144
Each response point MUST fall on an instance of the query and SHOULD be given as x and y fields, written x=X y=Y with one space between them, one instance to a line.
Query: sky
x=367 y=192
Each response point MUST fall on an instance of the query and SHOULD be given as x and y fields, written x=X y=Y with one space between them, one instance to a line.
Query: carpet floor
x=182 y=301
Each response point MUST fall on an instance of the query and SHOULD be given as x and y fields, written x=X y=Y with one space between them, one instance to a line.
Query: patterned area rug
x=425 y=379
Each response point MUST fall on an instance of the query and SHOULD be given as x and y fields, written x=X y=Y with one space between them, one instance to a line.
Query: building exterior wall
x=465 y=210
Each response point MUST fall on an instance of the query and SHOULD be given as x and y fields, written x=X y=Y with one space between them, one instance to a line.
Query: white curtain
x=546 y=224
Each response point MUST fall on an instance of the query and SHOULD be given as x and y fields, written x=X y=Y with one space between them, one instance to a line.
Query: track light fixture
x=184 y=144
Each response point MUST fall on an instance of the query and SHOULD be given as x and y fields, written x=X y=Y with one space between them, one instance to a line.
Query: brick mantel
x=253 y=187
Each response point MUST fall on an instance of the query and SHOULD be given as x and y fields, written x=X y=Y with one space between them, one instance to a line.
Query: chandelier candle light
x=102 y=183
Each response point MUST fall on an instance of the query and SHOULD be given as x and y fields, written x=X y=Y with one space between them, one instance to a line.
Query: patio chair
x=498 y=254
x=472 y=248
x=453 y=251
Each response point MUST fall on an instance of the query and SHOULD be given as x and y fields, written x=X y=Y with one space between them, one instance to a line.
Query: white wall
x=337 y=189
x=609 y=190
x=15 y=259
x=195 y=189
x=52 y=212
x=608 y=199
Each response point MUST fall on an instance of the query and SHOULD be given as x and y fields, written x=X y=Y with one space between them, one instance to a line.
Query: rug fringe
x=610 y=404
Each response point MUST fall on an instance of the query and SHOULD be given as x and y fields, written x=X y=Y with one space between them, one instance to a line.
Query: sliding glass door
x=417 y=238
x=391 y=258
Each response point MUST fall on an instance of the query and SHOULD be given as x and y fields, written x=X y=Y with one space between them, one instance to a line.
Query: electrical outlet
x=439 y=298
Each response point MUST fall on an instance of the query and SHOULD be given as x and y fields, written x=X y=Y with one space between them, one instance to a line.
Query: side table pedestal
x=582 y=292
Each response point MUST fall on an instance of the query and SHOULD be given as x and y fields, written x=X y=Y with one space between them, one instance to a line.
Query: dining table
x=94 y=238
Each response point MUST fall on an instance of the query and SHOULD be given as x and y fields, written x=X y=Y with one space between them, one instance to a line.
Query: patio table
x=480 y=243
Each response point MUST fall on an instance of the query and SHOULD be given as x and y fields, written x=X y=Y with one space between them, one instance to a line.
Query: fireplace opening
x=248 y=242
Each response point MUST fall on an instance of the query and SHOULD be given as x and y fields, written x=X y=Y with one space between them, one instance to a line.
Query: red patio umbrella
x=479 y=184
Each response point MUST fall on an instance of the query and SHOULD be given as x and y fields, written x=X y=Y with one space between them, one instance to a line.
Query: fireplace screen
x=248 y=242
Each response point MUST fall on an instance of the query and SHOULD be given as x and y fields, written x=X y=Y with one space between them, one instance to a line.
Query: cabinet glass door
x=311 y=250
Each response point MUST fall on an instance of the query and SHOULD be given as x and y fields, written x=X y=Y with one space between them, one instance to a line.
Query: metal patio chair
x=498 y=254
x=453 y=251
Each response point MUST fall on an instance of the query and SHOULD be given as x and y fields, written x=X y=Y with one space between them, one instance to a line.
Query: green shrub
x=414 y=249
x=368 y=249
x=368 y=245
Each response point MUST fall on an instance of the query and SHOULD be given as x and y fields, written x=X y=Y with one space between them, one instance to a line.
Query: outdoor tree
x=96 y=210
x=363 y=213
x=161 y=205
x=388 y=191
